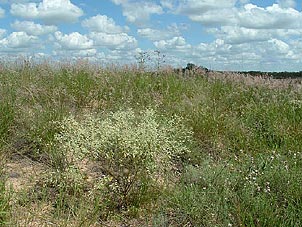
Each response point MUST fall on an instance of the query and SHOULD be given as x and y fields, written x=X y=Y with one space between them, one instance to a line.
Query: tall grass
x=244 y=164
x=260 y=190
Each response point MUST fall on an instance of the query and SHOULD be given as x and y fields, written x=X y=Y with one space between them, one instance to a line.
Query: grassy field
x=88 y=146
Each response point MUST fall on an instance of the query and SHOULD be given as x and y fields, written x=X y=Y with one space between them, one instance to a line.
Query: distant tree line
x=192 y=68
x=275 y=75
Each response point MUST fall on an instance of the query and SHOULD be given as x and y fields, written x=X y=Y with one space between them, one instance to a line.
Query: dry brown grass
x=258 y=81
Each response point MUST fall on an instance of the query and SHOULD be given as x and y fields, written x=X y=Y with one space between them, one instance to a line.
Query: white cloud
x=121 y=41
x=2 y=33
x=237 y=35
x=102 y=23
x=209 y=12
x=244 y=1
x=33 y=29
x=174 y=44
x=18 y=40
x=287 y=3
x=197 y=7
x=279 y=46
x=73 y=41
x=273 y=54
x=169 y=4
x=16 y=1
x=138 y=12
x=271 y=17
x=119 y=2
x=2 y=12
x=225 y=12
x=86 y=53
x=50 y=11
x=156 y=34
x=66 y=53
x=286 y=33
x=117 y=55
x=216 y=17
x=245 y=36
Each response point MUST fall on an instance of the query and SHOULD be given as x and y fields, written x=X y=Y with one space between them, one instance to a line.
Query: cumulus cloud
x=102 y=23
x=216 y=17
x=157 y=34
x=16 y=1
x=120 y=56
x=2 y=12
x=262 y=55
x=209 y=12
x=237 y=35
x=245 y=35
x=174 y=44
x=270 y=17
x=287 y=3
x=18 y=40
x=120 y=41
x=169 y=4
x=197 y=7
x=244 y=1
x=119 y=2
x=50 y=11
x=89 y=53
x=2 y=33
x=73 y=41
x=279 y=46
x=33 y=29
x=225 y=12
x=138 y=12
x=285 y=33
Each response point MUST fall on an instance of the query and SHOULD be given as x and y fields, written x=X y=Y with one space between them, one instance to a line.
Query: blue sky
x=219 y=34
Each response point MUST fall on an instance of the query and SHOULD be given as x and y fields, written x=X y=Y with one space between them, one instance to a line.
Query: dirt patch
x=22 y=172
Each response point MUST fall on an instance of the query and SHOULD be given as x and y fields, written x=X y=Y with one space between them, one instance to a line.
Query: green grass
x=244 y=168
x=260 y=190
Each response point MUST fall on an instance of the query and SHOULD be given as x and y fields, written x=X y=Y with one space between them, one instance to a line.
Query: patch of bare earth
x=22 y=172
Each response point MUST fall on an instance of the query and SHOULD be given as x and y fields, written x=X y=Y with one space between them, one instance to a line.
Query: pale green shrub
x=134 y=150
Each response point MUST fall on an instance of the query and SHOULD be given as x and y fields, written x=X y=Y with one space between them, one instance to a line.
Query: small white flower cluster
x=296 y=103
x=142 y=143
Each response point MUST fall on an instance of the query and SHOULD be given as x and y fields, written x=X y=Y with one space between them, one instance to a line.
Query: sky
x=235 y=35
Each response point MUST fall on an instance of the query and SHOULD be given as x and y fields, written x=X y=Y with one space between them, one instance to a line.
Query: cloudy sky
x=218 y=34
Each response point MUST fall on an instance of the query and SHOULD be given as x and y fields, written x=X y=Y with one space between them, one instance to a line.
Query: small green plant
x=64 y=189
x=134 y=150
x=7 y=114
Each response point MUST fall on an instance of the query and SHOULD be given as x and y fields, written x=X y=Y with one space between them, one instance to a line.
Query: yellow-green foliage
x=133 y=149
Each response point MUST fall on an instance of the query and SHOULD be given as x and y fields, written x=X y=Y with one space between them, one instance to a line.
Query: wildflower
x=130 y=147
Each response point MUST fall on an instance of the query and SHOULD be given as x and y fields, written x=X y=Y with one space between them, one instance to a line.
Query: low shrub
x=135 y=151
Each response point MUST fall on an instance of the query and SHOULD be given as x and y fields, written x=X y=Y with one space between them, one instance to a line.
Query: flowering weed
x=136 y=151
